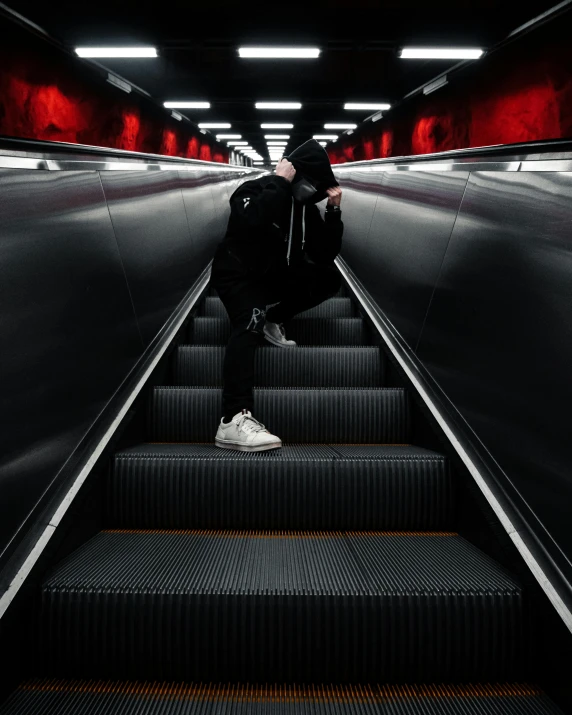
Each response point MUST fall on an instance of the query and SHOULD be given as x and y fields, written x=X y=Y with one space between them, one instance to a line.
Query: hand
x=334 y=196
x=286 y=169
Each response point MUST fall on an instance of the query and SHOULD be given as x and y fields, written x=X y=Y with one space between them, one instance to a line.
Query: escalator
x=323 y=577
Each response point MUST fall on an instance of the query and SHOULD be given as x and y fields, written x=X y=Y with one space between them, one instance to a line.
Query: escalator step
x=296 y=487
x=342 y=292
x=48 y=697
x=330 y=308
x=302 y=367
x=341 y=415
x=305 y=331
x=228 y=606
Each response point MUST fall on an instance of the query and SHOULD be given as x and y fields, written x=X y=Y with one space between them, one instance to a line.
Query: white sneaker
x=245 y=434
x=275 y=334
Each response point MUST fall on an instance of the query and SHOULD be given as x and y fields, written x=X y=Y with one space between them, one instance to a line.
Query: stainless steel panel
x=69 y=334
x=150 y=224
x=204 y=220
x=400 y=258
x=360 y=189
x=498 y=336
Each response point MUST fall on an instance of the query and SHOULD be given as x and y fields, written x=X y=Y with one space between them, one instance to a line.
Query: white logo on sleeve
x=246 y=201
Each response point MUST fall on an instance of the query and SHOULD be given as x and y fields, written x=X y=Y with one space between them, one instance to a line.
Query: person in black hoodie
x=276 y=260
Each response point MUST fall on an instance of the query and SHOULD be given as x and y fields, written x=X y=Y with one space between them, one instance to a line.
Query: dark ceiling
x=359 y=61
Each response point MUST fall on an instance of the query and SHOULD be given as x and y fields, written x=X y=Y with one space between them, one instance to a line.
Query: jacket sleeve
x=253 y=208
x=323 y=235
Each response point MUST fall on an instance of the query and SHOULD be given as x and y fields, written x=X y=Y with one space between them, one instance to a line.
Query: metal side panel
x=498 y=337
x=400 y=260
x=150 y=224
x=69 y=333
x=202 y=216
x=360 y=190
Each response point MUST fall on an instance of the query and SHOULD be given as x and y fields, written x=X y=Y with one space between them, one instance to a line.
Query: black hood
x=311 y=162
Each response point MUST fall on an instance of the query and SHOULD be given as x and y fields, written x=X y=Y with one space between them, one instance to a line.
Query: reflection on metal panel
x=498 y=336
x=399 y=257
x=202 y=215
x=360 y=189
x=150 y=224
x=67 y=326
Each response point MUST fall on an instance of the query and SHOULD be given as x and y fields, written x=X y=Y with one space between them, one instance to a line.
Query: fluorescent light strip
x=340 y=126
x=437 y=84
x=278 y=105
x=277 y=126
x=277 y=136
x=276 y=143
x=121 y=84
x=228 y=136
x=353 y=105
x=323 y=143
x=116 y=51
x=333 y=137
x=216 y=126
x=426 y=53
x=237 y=143
x=280 y=52
x=187 y=105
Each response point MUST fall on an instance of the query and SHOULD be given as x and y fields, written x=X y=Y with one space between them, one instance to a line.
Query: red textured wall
x=520 y=93
x=46 y=94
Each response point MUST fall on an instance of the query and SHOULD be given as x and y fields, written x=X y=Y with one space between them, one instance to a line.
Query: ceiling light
x=353 y=105
x=269 y=143
x=121 y=84
x=226 y=136
x=237 y=143
x=277 y=136
x=116 y=51
x=187 y=105
x=437 y=84
x=333 y=137
x=282 y=52
x=278 y=105
x=420 y=53
x=323 y=143
x=215 y=126
x=377 y=117
x=340 y=126
x=277 y=126
x=177 y=116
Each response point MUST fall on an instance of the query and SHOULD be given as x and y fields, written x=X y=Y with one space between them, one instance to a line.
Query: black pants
x=246 y=297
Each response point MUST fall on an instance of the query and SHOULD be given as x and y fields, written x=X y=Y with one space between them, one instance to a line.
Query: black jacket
x=265 y=225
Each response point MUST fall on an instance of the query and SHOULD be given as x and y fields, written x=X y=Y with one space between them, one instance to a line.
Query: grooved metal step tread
x=302 y=367
x=295 y=487
x=305 y=331
x=48 y=697
x=345 y=415
x=280 y=606
x=343 y=291
x=213 y=307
